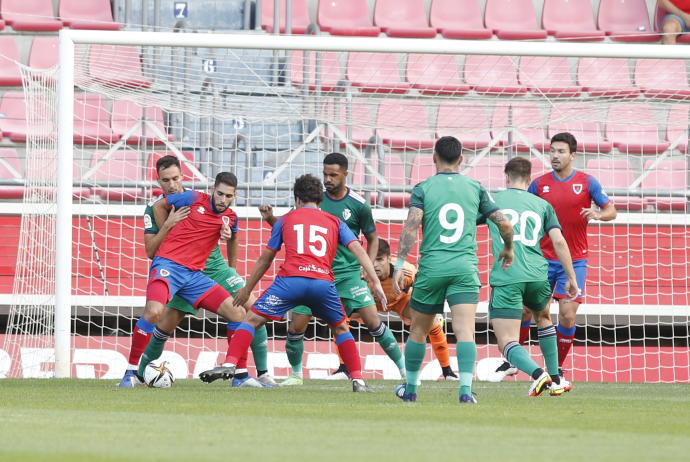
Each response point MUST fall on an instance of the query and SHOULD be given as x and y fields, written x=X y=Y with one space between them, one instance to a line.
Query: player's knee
x=156 y=291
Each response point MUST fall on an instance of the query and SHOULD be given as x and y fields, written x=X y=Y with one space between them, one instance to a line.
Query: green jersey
x=531 y=217
x=215 y=261
x=451 y=203
x=354 y=210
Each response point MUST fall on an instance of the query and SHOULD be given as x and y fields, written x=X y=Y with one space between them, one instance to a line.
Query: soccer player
x=169 y=178
x=398 y=304
x=446 y=205
x=311 y=239
x=352 y=209
x=526 y=282
x=571 y=193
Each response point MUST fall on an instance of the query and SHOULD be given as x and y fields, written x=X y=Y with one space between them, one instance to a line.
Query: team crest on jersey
x=226 y=220
x=201 y=210
x=545 y=189
x=347 y=214
x=165 y=273
x=577 y=188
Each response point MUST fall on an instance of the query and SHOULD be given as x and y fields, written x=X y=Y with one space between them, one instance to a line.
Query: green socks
x=414 y=355
x=549 y=348
x=386 y=339
x=153 y=350
x=294 y=347
x=519 y=357
x=467 y=355
x=259 y=347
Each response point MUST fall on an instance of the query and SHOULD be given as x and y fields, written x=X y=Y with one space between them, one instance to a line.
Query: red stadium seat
x=488 y=171
x=46 y=170
x=469 y=123
x=361 y=119
x=662 y=78
x=435 y=74
x=606 y=77
x=330 y=73
x=458 y=19
x=512 y=19
x=117 y=66
x=423 y=167
x=626 y=20
x=582 y=120
x=151 y=174
x=375 y=73
x=9 y=71
x=547 y=76
x=14 y=124
x=300 y=16
x=120 y=166
x=359 y=175
x=11 y=168
x=30 y=15
x=127 y=114
x=633 y=129
x=669 y=175
x=492 y=75
x=44 y=52
x=402 y=124
x=403 y=18
x=615 y=174
x=539 y=168
x=677 y=126
x=527 y=125
x=570 y=20
x=87 y=14
x=394 y=173
x=346 y=17
x=92 y=120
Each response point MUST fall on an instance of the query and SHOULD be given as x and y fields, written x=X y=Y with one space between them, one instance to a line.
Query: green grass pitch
x=91 y=420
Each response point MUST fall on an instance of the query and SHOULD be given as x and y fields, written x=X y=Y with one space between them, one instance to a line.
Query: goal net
x=269 y=109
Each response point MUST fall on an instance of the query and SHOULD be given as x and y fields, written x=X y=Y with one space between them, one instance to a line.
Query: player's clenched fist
x=225 y=232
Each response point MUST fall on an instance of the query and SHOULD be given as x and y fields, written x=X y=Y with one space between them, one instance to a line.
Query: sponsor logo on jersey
x=201 y=209
x=235 y=280
x=273 y=300
x=165 y=273
x=577 y=188
x=313 y=268
x=545 y=190
x=347 y=214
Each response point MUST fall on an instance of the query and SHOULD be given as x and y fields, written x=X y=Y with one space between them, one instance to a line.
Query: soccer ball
x=158 y=376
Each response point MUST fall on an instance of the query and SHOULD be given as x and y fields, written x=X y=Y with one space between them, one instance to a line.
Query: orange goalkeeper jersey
x=398 y=303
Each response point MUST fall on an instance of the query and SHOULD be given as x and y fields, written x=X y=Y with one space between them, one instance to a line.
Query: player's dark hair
x=335 y=158
x=308 y=188
x=167 y=162
x=567 y=138
x=518 y=168
x=227 y=178
x=448 y=149
x=384 y=248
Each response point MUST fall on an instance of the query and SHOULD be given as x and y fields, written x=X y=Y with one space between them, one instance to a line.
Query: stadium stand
x=435 y=74
x=625 y=21
x=524 y=122
x=330 y=73
x=394 y=172
x=662 y=78
x=547 y=76
x=43 y=53
x=512 y=19
x=128 y=114
x=87 y=14
x=375 y=73
x=150 y=168
x=14 y=124
x=30 y=15
x=492 y=75
x=299 y=20
x=606 y=77
x=580 y=120
x=487 y=170
x=632 y=128
x=615 y=174
x=403 y=18
x=467 y=122
x=668 y=175
x=346 y=17
x=9 y=71
x=92 y=120
x=406 y=125
x=458 y=19
x=121 y=165
x=11 y=168
x=570 y=20
x=361 y=119
x=117 y=66
x=677 y=126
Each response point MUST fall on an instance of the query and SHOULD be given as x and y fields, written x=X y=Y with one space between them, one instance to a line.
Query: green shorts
x=506 y=301
x=354 y=294
x=227 y=277
x=431 y=291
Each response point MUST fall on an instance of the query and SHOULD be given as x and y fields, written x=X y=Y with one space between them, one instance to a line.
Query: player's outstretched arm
x=166 y=218
x=262 y=265
x=506 y=231
x=606 y=213
x=563 y=253
x=408 y=236
x=358 y=251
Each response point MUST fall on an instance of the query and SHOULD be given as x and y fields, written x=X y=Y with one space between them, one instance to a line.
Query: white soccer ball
x=486 y=370
x=158 y=375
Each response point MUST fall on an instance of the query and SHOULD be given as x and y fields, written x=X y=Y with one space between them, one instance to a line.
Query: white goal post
x=377 y=183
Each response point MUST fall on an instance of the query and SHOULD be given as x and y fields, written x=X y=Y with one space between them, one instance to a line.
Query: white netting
x=269 y=117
